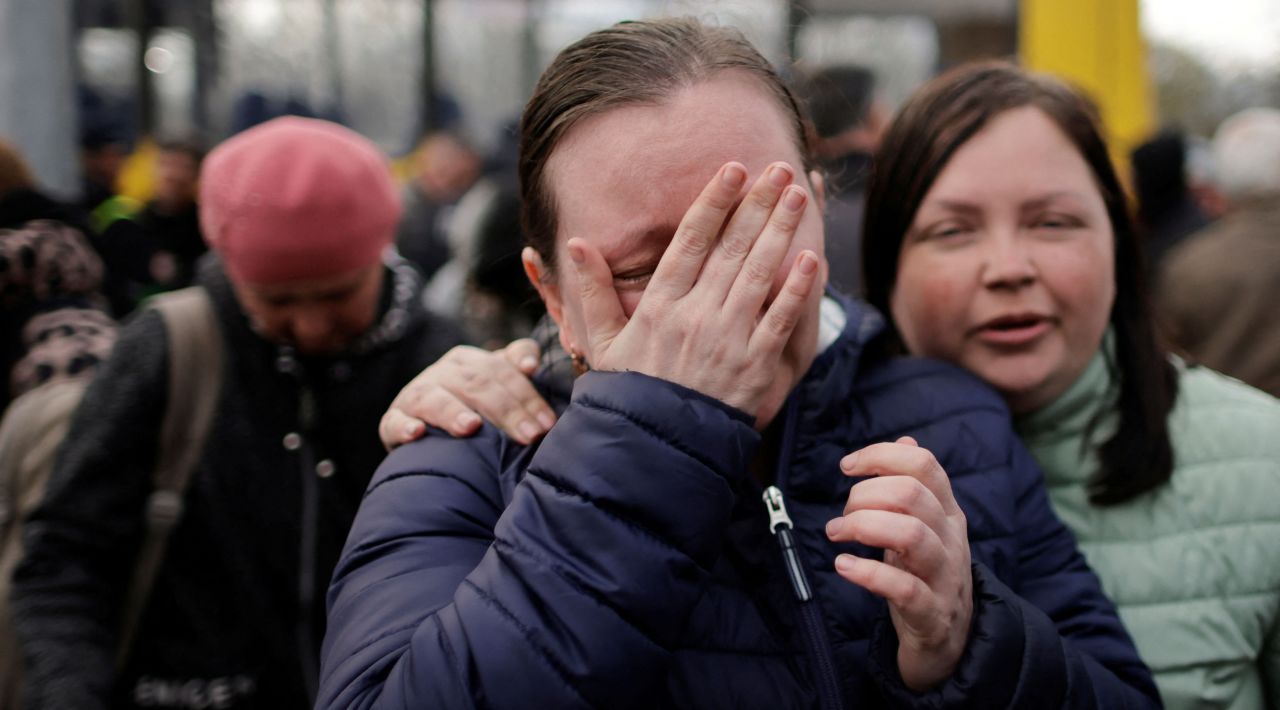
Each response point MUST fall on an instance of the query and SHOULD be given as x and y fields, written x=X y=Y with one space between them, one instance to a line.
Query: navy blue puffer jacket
x=627 y=561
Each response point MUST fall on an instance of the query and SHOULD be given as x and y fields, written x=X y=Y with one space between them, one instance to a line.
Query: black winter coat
x=237 y=612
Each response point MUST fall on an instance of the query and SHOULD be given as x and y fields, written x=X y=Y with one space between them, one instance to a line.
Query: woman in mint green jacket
x=997 y=238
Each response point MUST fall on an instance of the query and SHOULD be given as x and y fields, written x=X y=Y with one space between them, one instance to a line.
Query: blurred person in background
x=319 y=329
x=56 y=332
x=483 y=284
x=22 y=200
x=1168 y=210
x=152 y=248
x=1219 y=290
x=445 y=167
x=41 y=233
x=103 y=150
x=849 y=120
x=998 y=238
x=53 y=318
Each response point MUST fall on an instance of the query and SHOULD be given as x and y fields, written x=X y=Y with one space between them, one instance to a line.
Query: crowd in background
x=460 y=227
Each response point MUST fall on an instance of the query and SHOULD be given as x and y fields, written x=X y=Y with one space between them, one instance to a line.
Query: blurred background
x=77 y=71
x=113 y=103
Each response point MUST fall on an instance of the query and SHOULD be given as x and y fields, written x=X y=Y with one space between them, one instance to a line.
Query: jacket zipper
x=815 y=635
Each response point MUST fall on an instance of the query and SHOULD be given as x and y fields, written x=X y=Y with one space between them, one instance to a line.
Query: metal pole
x=332 y=50
x=139 y=14
x=37 y=47
x=797 y=14
x=427 y=120
x=204 y=34
x=529 y=45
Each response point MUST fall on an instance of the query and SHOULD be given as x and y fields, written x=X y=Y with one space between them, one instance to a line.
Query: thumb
x=601 y=308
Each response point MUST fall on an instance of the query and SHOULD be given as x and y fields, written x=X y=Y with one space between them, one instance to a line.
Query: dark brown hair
x=15 y=174
x=930 y=127
x=628 y=63
x=187 y=146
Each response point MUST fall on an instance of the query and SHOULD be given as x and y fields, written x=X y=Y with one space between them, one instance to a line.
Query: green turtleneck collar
x=1068 y=417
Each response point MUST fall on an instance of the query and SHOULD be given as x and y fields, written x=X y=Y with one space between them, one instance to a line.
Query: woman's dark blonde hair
x=629 y=63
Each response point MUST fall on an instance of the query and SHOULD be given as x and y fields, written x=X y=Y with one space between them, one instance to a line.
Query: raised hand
x=468 y=384
x=699 y=322
x=907 y=508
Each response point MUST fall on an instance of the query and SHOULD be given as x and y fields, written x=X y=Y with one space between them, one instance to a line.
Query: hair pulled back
x=640 y=62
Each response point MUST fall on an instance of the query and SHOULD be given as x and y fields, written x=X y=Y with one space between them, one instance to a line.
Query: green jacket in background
x=1194 y=566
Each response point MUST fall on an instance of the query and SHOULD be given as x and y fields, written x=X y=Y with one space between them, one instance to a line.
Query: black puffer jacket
x=237 y=613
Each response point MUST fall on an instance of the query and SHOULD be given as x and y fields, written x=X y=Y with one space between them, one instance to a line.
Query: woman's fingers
x=908 y=594
x=513 y=403
x=903 y=458
x=397 y=428
x=897 y=494
x=755 y=280
x=601 y=309
x=698 y=232
x=422 y=404
x=460 y=389
x=743 y=231
x=774 y=330
x=523 y=354
x=918 y=546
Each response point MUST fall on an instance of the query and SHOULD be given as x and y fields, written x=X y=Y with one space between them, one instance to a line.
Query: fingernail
x=844 y=563
x=848 y=462
x=793 y=199
x=529 y=362
x=779 y=175
x=546 y=420
x=575 y=253
x=734 y=176
x=833 y=527
x=528 y=430
x=412 y=429
x=466 y=420
x=808 y=264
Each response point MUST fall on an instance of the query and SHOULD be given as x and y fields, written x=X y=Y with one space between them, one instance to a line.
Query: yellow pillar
x=1096 y=45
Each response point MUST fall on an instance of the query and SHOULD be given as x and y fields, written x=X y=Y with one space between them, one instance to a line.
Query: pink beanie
x=297 y=198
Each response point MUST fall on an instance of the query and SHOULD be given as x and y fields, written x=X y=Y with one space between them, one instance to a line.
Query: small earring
x=580 y=366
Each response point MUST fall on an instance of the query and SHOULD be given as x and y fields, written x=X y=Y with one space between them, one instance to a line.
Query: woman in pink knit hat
x=318 y=327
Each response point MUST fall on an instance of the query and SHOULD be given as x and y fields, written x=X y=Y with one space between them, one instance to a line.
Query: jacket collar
x=400 y=311
x=1074 y=415
x=847 y=325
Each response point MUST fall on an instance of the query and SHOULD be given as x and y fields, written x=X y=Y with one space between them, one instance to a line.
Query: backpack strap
x=195 y=377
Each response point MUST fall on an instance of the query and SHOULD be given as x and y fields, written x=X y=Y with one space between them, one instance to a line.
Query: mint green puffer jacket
x=1193 y=566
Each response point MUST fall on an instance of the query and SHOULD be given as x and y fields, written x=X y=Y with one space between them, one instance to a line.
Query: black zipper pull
x=780 y=525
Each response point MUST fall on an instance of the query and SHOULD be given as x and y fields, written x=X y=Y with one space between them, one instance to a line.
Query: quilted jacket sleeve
x=1054 y=640
x=1071 y=624
x=570 y=594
